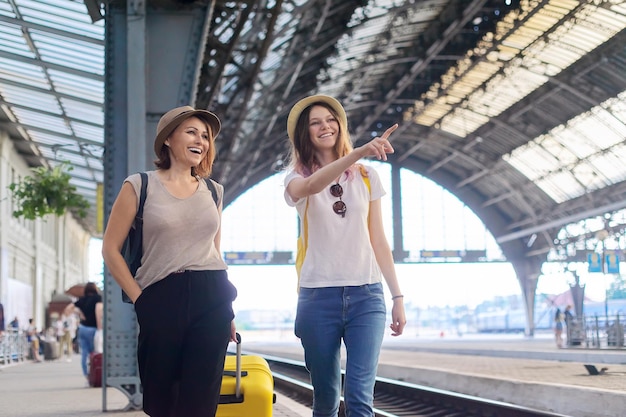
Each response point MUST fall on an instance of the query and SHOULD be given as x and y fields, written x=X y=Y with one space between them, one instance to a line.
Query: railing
x=597 y=331
x=13 y=347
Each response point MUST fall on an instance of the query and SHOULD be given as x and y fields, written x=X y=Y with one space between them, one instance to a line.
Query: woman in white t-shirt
x=64 y=337
x=343 y=256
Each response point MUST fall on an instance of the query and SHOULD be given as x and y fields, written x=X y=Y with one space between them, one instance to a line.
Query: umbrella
x=77 y=290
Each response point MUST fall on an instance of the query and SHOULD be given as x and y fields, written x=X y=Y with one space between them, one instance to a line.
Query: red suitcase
x=95 y=370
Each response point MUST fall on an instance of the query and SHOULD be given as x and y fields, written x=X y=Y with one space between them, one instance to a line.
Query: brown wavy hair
x=205 y=167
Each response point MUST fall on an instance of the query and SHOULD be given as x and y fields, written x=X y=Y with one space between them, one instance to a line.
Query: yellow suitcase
x=247 y=387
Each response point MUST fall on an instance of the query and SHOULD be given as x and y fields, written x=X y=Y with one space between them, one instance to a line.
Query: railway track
x=399 y=399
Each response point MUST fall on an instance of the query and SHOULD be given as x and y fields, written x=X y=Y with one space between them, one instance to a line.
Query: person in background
x=558 y=327
x=85 y=307
x=98 y=341
x=568 y=315
x=340 y=290
x=15 y=324
x=64 y=336
x=1 y=319
x=32 y=337
x=73 y=321
x=181 y=292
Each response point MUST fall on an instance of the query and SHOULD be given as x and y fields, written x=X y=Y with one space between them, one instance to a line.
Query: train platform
x=527 y=371
x=531 y=372
x=58 y=389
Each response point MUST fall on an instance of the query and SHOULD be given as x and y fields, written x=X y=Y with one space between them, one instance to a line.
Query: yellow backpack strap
x=366 y=180
x=366 y=177
x=303 y=243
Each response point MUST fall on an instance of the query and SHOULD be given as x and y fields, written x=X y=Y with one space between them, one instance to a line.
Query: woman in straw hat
x=182 y=295
x=342 y=255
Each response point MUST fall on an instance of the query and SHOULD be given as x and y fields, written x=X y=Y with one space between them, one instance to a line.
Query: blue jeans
x=85 y=342
x=324 y=317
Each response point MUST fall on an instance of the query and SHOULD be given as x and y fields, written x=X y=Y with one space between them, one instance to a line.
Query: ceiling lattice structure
x=516 y=107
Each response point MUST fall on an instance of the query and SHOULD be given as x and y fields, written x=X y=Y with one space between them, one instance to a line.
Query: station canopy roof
x=516 y=107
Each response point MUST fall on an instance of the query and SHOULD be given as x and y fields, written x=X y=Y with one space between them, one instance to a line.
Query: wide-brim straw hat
x=170 y=121
x=301 y=105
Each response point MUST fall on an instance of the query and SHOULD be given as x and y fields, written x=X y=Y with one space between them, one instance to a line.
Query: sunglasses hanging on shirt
x=339 y=207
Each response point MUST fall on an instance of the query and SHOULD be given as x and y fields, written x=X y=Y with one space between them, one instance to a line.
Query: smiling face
x=323 y=128
x=189 y=143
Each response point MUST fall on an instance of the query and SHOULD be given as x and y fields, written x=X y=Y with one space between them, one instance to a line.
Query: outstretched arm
x=378 y=147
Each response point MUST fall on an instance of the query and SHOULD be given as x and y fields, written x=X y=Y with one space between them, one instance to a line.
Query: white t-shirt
x=60 y=327
x=339 y=250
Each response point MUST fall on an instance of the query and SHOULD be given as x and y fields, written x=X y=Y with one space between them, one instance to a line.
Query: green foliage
x=47 y=191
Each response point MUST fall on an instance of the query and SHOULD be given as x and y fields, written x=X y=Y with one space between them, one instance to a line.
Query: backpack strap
x=365 y=177
x=303 y=243
x=133 y=245
x=142 y=195
x=213 y=189
x=368 y=184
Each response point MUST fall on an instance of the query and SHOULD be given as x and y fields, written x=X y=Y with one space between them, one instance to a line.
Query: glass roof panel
x=369 y=24
x=52 y=82
x=528 y=47
x=28 y=98
x=70 y=16
x=11 y=40
x=533 y=161
x=82 y=111
x=588 y=176
x=89 y=132
x=561 y=186
x=579 y=145
x=39 y=119
x=78 y=88
x=85 y=186
x=75 y=54
x=62 y=155
x=562 y=155
x=549 y=46
x=82 y=172
x=590 y=145
x=611 y=164
x=55 y=141
x=17 y=72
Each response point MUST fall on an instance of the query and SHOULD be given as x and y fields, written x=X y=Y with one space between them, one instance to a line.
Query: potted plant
x=47 y=191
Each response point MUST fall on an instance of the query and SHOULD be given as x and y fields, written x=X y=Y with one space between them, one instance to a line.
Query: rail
x=13 y=347
x=397 y=398
x=597 y=331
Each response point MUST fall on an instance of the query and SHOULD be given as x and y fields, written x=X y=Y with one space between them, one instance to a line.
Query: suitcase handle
x=238 y=367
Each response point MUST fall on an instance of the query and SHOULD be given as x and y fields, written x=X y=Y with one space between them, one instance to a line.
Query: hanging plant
x=47 y=191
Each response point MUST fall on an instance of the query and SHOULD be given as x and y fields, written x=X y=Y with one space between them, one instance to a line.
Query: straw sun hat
x=301 y=105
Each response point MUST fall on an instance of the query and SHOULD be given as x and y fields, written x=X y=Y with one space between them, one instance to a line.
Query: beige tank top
x=178 y=233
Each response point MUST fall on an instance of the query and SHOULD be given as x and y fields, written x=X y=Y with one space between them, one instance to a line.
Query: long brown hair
x=302 y=157
x=205 y=167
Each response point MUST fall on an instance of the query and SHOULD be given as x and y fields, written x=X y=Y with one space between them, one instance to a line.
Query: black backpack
x=133 y=245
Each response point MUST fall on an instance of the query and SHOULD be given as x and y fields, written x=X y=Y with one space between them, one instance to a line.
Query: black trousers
x=184 y=323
